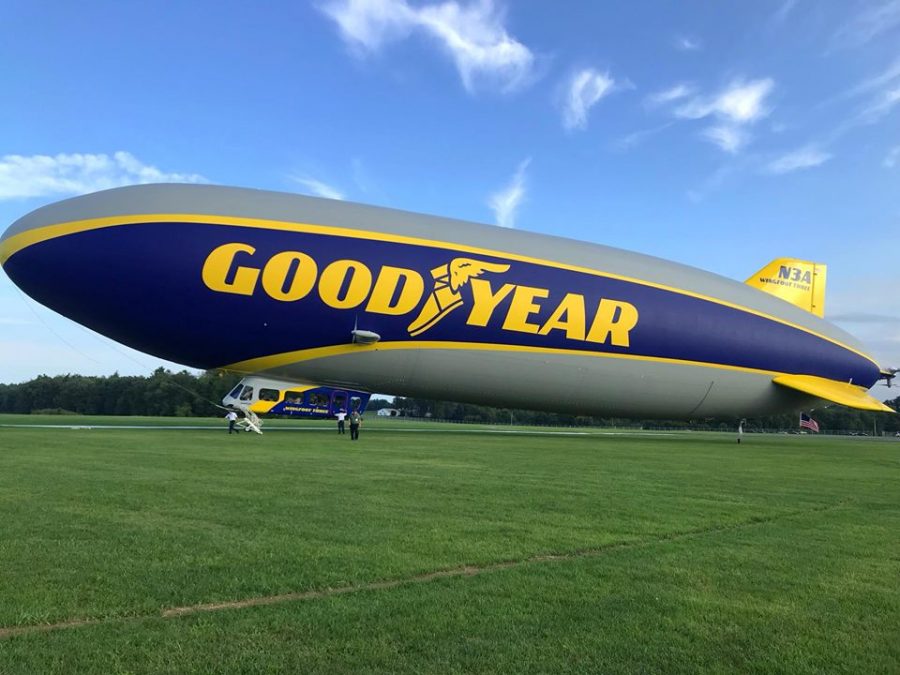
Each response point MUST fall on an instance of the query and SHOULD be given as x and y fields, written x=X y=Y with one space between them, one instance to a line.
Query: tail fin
x=798 y=282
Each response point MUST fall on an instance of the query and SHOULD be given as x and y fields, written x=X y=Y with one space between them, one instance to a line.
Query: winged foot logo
x=291 y=276
x=448 y=280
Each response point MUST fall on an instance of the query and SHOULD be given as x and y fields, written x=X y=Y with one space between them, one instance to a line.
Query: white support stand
x=251 y=421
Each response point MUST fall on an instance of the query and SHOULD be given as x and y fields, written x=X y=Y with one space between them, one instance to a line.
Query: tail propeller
x=888 y=374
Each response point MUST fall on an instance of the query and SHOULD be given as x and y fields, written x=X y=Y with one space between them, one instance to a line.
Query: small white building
x=388 y=412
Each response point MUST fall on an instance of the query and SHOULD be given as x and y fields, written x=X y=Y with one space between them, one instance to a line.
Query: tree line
x=163 y=393
x=184 y=394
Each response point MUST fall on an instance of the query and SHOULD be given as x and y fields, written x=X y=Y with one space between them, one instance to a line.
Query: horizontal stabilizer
x=798 y=282
x=842 y=393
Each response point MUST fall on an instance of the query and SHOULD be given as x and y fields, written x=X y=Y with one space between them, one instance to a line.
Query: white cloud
x=886 y=77
x=586 y=87
x=804 y=158
x=318 y=188
x=687 y=44
x=473 y=35
x=729 y=138
x=637 y=137
x=371 y=23
x=883 y=94
x=739 y=103
x=14 y=321
x=782 y=12
x=674 y=93
x=505 y=203
x=892 y=158
x=881 y=105
x=877 y=18
x=73 y=174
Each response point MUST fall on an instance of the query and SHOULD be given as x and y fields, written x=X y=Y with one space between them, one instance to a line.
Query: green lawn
x=555 y=553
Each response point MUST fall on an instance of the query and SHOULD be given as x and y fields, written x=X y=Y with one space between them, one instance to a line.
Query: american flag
x=809 y=422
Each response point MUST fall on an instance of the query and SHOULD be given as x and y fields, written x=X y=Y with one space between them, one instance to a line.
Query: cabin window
x=318 y=400
x=268 y=394
x=237 y=390
x=355 y=402
x=340 y=401
x=293 y=397
x=247 y=394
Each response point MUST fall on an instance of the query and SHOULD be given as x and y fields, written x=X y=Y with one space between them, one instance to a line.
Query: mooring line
x=461 y=571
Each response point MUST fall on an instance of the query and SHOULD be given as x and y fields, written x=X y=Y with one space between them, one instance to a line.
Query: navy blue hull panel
x=141 y=285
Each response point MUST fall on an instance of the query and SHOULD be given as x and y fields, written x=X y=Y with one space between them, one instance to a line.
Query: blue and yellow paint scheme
x=279 y=285
x=267 y=396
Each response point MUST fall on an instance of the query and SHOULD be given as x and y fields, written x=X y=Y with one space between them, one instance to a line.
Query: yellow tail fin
x=798 y=282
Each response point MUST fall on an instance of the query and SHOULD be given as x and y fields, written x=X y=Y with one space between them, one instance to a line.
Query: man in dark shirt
x=355 y=421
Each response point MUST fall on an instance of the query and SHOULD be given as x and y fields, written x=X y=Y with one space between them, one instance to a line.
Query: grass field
x=432 y=549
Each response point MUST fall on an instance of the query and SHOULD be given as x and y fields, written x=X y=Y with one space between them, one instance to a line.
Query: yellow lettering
x=614 y=320
x=333 y=278
x=277 y=274
x=521 y=307
x=218 y=265
x=386 y=286
x=485 y=301
x=572 y=308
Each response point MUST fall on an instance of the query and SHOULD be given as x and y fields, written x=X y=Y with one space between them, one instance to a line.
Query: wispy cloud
x=734 y=108
x=674 y=93
x=729 y=138
x=585 y=88
x=881 y=105
x=781 y=14
x=73 y=174
x=878 y=17
x=877 y=82
x=892 y=158
x=880 y=94
x=740 y=102
x=637 y=137
x=318 y=188
x=14 y=321
x=505 y=203
x=473 y=35
x=687 y=44
x=803 y=158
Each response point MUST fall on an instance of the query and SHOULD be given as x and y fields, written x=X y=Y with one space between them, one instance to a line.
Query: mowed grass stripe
x=387 y=584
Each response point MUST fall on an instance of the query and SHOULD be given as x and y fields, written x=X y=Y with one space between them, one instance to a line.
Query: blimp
x=315 y=303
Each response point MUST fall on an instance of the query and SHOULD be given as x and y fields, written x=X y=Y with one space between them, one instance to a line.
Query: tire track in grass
x=426 y=577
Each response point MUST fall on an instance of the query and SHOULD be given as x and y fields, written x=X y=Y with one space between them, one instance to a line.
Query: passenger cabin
x=265 y=396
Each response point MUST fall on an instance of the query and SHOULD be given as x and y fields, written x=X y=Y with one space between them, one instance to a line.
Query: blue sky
x=721 y=135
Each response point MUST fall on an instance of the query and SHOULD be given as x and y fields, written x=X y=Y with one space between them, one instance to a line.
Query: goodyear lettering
x=291 y=276
x=345 y=284
x=410 y=285
x=485 y=301
x=568 y=316
x=218 y=269
x=523 y=305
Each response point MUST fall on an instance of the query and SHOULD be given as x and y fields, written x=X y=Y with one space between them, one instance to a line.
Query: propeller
x=888 y=374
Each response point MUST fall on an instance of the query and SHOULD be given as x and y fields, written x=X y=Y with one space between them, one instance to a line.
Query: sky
x=721 y=135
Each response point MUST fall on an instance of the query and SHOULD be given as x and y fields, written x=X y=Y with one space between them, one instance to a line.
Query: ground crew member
x=232 y=418
x=355 y=421
x=341 y=415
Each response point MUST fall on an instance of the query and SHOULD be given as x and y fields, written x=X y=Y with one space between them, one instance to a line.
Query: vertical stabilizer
x=798 y=282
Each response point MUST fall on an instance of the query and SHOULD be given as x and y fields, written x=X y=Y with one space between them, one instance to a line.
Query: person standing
x=341 y=416
x=232 y=420
x=355 y=421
